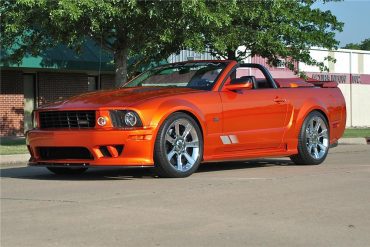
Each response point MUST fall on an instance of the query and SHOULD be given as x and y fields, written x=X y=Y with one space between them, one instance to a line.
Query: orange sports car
x=175 y=116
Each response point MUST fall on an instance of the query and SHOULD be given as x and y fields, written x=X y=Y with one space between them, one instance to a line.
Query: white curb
x=14 y=158
x=356 y=141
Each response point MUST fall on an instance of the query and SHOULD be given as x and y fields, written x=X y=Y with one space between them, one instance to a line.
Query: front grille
x=67 y=119
x=61 y=153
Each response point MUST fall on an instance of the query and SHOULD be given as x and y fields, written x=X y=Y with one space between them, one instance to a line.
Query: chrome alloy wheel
x=182 y=145
x=317 y=140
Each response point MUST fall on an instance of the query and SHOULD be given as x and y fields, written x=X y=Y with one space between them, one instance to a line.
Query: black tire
x=304 y=156
x=66 y=170
x=163 y=167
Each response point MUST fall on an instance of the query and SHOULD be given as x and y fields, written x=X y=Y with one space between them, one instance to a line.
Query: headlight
x=124 y=119
x=130 y=119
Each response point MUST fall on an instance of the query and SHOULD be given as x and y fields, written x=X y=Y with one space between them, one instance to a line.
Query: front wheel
x=313 y=140
x=66 y=170
x=179 y=147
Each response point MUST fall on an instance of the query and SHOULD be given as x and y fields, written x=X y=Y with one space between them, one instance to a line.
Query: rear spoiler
x=299 y=82
x=325 y=84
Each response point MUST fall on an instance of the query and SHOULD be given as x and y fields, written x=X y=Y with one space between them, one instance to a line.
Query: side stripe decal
x=234 y=139
x=230 y=139
x=225 y=140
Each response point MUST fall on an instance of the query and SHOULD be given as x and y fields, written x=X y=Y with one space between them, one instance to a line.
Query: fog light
x=102 y=121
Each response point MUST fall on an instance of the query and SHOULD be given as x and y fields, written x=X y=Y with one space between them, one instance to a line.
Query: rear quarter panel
x=302 y=101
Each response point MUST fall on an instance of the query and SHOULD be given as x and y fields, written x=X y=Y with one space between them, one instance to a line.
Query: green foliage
x=274 y=30
x=352 y=46
x=364 y=45
x=153 y=29
x=156 y=29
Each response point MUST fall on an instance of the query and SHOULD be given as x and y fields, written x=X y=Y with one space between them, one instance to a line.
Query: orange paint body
x=258 y=123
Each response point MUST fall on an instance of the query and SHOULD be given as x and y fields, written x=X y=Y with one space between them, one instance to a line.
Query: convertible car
x=176 y=116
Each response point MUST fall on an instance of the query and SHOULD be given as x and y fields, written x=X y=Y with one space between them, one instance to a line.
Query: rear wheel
x=178 y=147
x=66 y=170
x=313 y=140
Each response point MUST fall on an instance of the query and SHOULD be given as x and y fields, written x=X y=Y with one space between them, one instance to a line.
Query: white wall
x=348 y=63
x=358 y=115
x=360 y=61
x=346 y=91
x=360 y=105
x=320 y=56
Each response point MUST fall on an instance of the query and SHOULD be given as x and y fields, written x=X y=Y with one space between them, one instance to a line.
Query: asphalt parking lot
x=268 y=202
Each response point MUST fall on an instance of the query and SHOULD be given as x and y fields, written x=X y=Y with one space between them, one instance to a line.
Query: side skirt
x=248 y=154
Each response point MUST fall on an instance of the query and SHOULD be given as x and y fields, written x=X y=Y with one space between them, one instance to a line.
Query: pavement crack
x=36 y=200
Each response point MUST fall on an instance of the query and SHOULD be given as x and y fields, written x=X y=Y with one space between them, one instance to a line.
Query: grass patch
x=357 y=132
x=13 y=146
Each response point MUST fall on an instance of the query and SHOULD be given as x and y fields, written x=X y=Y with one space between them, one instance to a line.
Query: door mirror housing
x=239 y=86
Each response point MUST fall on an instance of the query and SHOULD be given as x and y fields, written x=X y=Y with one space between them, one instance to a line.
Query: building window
x=281 y=64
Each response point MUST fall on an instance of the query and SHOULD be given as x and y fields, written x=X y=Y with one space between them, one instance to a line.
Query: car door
x=253 y=118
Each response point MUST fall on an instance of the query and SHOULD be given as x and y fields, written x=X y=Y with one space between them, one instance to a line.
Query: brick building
x=56 y=74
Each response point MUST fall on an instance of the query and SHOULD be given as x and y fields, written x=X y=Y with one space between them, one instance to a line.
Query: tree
x=364 y=45
x=153 y=29
x=273 y=30
x=120 y=27
x=156 y=29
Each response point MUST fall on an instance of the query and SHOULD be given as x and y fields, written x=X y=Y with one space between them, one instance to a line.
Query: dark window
x=93 y=83
x=259 y=79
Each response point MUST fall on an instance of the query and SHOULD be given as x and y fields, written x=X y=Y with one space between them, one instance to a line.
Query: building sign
x=341 y=78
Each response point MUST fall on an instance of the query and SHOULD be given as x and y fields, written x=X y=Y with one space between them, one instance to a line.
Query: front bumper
x=137 y=146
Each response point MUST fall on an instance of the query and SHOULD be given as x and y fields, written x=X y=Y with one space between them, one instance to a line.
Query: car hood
x=116 y=98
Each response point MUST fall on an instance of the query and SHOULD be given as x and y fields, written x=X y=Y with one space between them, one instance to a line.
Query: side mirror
x=233 y=87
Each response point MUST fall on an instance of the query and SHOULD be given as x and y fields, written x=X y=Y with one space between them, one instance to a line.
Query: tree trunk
x=120 y=61
x=231 y=54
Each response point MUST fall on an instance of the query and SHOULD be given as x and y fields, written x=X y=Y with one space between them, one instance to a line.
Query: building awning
x=90 y=58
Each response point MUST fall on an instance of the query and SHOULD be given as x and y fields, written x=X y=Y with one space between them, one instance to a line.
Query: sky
x=356 y=17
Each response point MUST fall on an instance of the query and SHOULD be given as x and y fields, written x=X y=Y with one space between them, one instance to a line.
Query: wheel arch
x=170 y=107
x=303 y=116
x=161 y=169
x=304 y=156
x=298 y=117
x=316 y=110
x=310 y=106
x=188 y=112
x=194 y=117
x=324 y=114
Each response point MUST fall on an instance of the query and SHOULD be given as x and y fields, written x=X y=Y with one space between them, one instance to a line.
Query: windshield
x=198 y=75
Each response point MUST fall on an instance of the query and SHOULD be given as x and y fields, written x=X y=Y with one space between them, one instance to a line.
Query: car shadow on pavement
x=234 y=165
x=41 y=173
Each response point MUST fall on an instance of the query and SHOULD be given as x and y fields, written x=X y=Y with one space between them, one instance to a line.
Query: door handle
x=279 y=100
